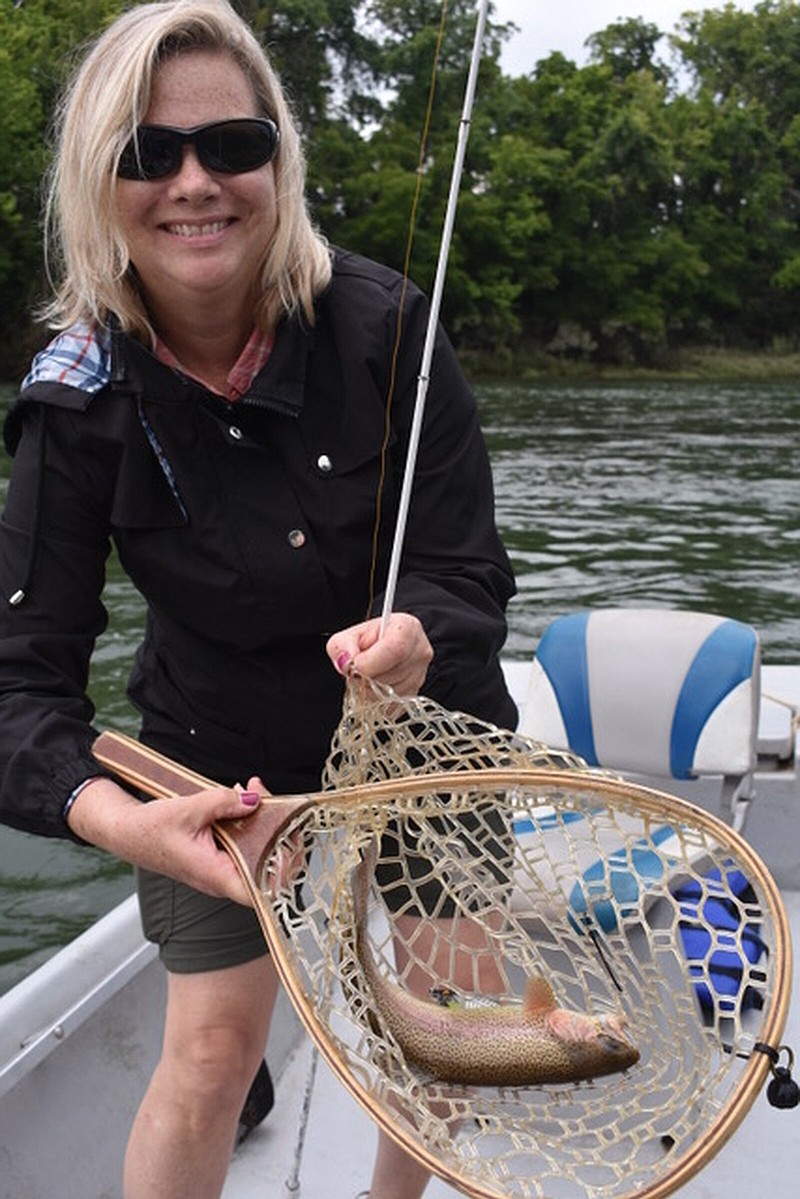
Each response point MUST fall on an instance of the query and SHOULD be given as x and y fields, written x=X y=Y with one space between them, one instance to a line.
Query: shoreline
x=698 y=364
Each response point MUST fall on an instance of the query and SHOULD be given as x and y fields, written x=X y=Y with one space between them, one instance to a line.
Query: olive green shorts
x=195 y=932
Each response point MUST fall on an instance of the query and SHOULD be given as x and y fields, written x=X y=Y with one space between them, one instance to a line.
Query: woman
x=214 y=400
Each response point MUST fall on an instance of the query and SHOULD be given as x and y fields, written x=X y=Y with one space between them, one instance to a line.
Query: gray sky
x=564 y=25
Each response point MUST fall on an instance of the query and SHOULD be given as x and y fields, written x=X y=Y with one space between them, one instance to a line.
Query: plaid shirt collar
x=251 y=360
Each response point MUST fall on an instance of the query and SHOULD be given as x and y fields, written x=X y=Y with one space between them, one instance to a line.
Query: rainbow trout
x=499 y=1045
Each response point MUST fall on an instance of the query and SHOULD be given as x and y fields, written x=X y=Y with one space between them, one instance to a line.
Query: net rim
x=250 y=840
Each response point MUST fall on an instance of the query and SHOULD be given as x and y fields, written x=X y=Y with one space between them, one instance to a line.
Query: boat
x=80 y=1036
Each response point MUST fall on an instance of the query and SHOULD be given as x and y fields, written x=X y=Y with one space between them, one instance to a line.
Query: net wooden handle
x=247 y=840
x=142 y=767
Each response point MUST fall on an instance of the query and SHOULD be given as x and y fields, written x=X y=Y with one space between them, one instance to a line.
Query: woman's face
x=197 y=237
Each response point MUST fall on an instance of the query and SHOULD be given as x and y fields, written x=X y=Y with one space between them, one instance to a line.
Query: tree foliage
x=645 y=200
x=38 y=39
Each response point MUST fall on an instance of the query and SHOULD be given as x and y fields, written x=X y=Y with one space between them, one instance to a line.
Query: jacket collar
x=279 y=386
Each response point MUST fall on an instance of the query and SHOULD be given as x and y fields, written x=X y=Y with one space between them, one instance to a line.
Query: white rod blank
x=433 y=317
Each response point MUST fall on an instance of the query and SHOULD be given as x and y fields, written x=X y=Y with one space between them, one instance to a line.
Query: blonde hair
x=107 y=99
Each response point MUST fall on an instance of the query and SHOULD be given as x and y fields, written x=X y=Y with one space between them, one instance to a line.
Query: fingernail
x=343 y=661
x=250 y=798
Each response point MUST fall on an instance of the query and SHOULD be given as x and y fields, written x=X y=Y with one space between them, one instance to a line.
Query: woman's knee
x=216 y=1027
x=218 y=1065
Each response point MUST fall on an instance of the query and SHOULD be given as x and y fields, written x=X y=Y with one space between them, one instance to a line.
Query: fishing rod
x=433 y=317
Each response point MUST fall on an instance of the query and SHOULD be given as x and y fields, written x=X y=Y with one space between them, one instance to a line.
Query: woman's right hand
x=170 y=836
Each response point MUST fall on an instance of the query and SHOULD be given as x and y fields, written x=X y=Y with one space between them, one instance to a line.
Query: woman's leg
x=395 y=1175
x=214 y=1036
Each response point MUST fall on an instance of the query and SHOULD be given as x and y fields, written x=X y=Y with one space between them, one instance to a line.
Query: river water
x=665 y=494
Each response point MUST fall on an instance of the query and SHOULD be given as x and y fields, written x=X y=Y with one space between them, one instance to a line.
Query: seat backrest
x=653 y=691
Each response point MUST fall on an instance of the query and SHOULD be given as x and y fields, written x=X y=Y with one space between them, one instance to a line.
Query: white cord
x=292 y=1185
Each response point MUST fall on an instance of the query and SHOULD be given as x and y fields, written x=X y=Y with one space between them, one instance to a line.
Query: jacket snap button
x=297 y=539
x=324 y=463
x=235 y=432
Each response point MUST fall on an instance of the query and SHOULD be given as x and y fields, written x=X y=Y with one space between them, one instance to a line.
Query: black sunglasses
x=229 y=147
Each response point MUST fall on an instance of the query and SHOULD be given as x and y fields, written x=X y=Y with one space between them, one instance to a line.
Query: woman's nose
x=192 y=176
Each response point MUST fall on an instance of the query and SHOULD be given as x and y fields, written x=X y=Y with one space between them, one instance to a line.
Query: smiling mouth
x=205 y=230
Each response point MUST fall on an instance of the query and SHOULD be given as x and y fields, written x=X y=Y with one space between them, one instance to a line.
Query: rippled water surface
x=671 y=495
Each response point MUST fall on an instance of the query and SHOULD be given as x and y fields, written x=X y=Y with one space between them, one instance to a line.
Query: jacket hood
x=79 y=357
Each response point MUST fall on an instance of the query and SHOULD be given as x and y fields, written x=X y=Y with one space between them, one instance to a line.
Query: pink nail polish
x=250 y=798
x=343 y=661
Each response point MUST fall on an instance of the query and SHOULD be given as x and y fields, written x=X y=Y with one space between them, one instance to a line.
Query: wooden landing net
x=499 y=861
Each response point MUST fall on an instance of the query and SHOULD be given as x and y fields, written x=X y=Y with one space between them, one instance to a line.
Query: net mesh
x=498 y=860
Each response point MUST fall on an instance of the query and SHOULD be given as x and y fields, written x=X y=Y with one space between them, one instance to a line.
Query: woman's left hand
x=399 y=659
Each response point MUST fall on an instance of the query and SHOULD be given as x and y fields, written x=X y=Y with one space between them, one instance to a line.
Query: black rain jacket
x=248 y=530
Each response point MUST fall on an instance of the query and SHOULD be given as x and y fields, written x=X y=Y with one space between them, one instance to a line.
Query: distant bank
x=684 y=365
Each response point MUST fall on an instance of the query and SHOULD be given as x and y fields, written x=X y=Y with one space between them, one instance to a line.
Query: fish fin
x=572 y=1026
x=539 y=995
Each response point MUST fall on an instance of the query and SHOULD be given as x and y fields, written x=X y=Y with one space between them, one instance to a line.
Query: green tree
x=606 y=164
x=748 y=56
x=628 y=46
x=368 y=207
x=740 y=164
x=326 y=62
x=37 y=40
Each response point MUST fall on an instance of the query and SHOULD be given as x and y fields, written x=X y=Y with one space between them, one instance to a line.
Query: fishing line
x=412 y=226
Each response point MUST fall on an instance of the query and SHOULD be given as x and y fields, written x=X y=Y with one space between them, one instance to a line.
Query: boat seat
x=655 y=692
